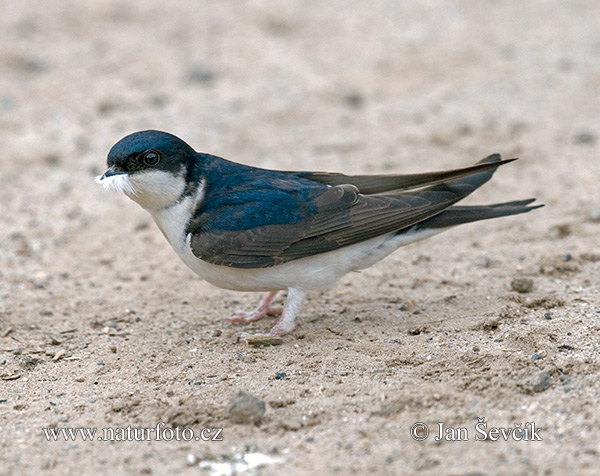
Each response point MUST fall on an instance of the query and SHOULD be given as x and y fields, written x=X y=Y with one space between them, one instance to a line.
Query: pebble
x=200 y=74
x=354 y=99
x=585 y=138
x=483 y=261
x=522 y=285
x=259 y=340
x=245 y=408
x=538 y=383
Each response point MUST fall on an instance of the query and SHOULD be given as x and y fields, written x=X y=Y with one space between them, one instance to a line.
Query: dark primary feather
x=370 y=184
x=268 y=218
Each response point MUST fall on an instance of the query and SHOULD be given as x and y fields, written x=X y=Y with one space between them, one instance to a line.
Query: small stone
x=585 y=138
x=280 y=375
x=522 y=285
x=565 y=347
x=490 y=324
x=245 y=408
x=483 y=261
x=408 y=305
x=561 y=230
x=538 y=383
x=260 y=340
x=417 y=330
x=354 y=99
x=548 y=315
x=200 y=74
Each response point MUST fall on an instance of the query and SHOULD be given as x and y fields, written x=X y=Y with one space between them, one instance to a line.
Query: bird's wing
x=370 y=184
x=314 y=221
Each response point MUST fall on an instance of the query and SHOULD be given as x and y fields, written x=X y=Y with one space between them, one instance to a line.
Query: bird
x=246 y=228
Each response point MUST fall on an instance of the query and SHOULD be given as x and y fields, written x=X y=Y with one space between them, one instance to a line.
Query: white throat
x=151 y=189
x=173 y=220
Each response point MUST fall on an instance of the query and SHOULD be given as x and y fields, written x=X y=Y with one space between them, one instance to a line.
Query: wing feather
x=332 y=216
x=370 y=184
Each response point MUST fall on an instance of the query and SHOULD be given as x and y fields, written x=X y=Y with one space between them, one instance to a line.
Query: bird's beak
x=112 y=170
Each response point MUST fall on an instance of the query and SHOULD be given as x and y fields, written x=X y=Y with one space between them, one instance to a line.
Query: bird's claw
x=246 y=317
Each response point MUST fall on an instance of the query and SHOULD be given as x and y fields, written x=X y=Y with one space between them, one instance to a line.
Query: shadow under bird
x=251 y=229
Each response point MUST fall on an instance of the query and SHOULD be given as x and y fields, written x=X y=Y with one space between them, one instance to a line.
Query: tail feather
x=458 y=215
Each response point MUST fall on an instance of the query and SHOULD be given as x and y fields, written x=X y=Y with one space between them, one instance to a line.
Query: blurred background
x=292 y=83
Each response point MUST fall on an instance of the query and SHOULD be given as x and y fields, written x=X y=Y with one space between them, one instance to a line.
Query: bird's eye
x=151 y=158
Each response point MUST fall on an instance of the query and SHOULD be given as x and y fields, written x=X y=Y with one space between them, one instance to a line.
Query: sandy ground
x=101 y=326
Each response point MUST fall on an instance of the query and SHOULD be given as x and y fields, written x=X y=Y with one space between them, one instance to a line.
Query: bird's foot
x=264 y=309
x=287 y=321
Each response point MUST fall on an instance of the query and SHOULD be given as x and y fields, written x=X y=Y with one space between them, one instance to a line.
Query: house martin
x=252 y=229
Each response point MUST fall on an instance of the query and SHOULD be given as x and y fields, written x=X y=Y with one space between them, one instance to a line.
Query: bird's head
x=150 y=167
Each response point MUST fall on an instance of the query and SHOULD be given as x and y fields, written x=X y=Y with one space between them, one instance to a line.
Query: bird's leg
x=287 y=321
x=291 y=308
x=246 y=317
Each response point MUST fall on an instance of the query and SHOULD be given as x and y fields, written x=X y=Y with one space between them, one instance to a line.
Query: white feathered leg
x=291 y=308
x=287 y=321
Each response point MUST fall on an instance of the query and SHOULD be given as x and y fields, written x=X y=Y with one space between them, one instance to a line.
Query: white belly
x=311 y=273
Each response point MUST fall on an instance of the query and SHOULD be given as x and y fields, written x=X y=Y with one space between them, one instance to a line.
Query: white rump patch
x=117 y=183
